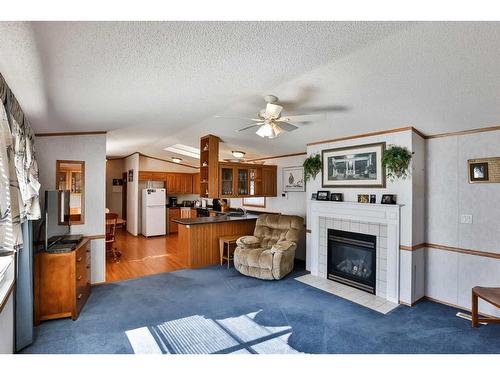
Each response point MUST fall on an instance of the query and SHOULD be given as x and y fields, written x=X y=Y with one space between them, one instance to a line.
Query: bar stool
x=225 y=242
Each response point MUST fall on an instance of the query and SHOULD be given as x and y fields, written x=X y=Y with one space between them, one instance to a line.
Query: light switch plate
x=466 y=219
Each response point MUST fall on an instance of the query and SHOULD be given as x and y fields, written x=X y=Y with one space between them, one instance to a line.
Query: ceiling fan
x=271 y=122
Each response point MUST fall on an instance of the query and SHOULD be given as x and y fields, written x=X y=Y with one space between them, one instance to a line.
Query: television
x=55 y=222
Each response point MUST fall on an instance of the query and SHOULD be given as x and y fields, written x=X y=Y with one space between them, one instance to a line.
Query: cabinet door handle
x=79 y=296
x=79 y=259
x=79 y=277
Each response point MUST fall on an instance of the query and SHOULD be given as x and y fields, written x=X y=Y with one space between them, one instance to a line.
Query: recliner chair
x=269 y=254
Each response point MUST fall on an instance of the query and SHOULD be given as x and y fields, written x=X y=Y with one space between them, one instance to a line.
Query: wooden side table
x=490 y=295
x=225 y=242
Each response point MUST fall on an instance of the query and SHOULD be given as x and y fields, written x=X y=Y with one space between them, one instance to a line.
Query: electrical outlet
x=466 y=219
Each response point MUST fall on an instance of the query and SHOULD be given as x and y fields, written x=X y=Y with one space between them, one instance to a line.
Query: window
x=255 y=202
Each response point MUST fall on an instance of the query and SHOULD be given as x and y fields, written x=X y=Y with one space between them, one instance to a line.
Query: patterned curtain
x=19 y=186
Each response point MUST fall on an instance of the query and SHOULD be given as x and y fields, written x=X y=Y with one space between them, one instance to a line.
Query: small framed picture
x=373 y=198
x=478 y=171
x=323 y=195
x=314 y=196
x=363 y=198
x=388 y=199
x=130 y=175
x=337 y=197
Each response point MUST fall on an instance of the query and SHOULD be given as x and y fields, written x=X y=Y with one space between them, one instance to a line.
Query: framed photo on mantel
x=355 y=166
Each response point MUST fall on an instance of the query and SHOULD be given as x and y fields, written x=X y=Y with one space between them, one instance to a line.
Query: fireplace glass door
x=352 y=259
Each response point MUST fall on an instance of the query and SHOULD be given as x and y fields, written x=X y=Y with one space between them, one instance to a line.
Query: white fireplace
x=379 y=220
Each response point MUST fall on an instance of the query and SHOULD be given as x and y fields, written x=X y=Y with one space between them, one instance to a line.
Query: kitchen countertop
x=214 y=219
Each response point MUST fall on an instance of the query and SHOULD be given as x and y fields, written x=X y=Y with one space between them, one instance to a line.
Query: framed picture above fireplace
x=355 y=166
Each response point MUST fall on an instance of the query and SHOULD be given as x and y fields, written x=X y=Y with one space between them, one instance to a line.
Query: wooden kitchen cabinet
x=239 y=180
x=196 y=183
x=179 y=183
x=269 y=181
x=194 y=213
x=209 y=166
x=173 y=213
x=152 y=176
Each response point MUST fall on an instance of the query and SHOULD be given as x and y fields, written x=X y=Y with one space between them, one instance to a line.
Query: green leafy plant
x=396 y=160
x=312 y=166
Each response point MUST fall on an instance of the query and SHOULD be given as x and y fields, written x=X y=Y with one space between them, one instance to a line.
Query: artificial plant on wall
x=396 y=160
x=312 y=166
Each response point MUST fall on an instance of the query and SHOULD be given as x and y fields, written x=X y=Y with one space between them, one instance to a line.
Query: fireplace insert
x=352 y=259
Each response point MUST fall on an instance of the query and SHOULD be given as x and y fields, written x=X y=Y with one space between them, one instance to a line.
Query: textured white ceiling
x=153 y=84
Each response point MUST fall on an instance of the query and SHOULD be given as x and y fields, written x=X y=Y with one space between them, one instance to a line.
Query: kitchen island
x=199 y=237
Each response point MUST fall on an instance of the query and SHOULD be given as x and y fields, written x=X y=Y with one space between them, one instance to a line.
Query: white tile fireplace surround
x=382 y=221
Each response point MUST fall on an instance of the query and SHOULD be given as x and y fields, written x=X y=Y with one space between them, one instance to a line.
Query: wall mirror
x=70 y=175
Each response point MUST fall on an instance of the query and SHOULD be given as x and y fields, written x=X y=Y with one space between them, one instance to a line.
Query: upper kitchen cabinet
x=152 y=176
x=179 y=183
x=269 y=180
x=196 y=183
x=247 y=180
x=209 y=166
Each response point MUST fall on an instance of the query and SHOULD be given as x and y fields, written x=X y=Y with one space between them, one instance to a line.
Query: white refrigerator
x=153 y=212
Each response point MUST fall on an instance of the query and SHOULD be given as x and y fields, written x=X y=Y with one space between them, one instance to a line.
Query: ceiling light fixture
x=176 y=160
x=269 y=130
x=238 y=154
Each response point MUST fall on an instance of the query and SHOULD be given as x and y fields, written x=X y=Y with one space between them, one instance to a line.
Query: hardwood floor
x=143 y=256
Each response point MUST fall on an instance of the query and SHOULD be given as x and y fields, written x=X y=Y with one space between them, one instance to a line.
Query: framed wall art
x=355 y=166
x=293 y=179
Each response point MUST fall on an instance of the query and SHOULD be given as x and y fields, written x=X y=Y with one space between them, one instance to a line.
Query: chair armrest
x=283 y=246
x=248 y=242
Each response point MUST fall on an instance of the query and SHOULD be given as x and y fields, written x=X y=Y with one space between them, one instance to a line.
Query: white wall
x=411 y=271
x=132 y=163
x=7 y=327
x=92 y=150
x=451 y=275
x=114 y=169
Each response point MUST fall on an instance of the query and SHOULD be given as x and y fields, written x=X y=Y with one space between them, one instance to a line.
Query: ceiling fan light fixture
x=265 y=130
x=269 y=130
x=176 y=160
x=238 y=154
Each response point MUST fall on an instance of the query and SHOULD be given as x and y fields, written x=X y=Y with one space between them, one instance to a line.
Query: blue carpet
x=218 y=310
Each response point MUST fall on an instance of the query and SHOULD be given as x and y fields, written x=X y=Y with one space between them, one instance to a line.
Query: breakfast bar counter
x=199 y=237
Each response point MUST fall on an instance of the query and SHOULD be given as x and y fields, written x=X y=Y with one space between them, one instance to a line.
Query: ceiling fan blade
x=249 y=127
x=301 y=118
x=273 y=110
x=287 y=126
x=239 y=118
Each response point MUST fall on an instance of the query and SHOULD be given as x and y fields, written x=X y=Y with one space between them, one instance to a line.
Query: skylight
x=192 y=152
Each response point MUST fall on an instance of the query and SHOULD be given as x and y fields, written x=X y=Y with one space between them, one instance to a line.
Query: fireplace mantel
x=369 y=213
